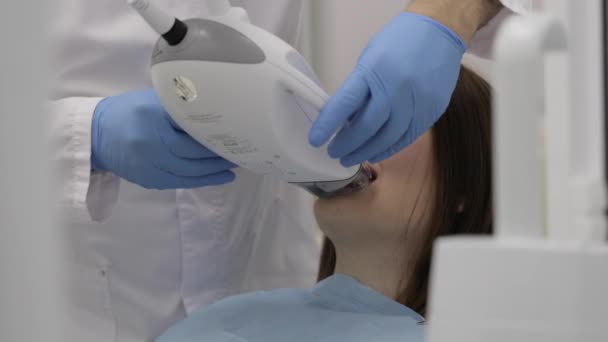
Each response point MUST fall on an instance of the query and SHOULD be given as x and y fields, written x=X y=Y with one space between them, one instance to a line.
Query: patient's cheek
x=414 y=158
x=404 y=183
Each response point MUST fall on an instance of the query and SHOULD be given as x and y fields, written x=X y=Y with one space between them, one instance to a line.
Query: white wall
x=341 y=29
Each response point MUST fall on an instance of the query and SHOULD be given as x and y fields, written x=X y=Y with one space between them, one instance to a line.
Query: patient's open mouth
x=365 y=177
x=372 y=171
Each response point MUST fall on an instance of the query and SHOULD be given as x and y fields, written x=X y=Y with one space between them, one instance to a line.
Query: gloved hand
x=402 y=84
x=134 y=138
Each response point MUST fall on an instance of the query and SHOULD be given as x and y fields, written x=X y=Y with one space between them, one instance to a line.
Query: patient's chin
x=343 y=211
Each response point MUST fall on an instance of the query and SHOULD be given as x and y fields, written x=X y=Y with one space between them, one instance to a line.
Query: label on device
x=204 y=119
x=232 y=144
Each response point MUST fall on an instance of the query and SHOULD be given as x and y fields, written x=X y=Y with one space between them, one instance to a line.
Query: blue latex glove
x=134 y=138
x=402 y=84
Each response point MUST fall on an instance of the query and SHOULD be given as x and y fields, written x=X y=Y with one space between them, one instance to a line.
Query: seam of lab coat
x=105 y=271
x=189 y=257
x=182 y=261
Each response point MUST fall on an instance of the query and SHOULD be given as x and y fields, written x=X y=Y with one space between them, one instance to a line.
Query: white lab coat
x=139 y=260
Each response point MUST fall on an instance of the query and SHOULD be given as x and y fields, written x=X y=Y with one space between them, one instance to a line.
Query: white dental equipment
x=246 y=95
x=528 y=282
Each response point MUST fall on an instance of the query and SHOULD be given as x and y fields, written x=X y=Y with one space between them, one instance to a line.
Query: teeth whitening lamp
x=246 y=95
x=543 y=276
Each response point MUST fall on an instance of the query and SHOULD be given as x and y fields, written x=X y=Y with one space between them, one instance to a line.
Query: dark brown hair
x=462 y=146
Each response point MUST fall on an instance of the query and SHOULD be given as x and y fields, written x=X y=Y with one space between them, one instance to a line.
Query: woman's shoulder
x=257 y=299
x=293 y=315
x=223 y=319
x=251 y=305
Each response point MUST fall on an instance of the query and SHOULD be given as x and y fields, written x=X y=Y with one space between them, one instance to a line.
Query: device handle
x=521 y=45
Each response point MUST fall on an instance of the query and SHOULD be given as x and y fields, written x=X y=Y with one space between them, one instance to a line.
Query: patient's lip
x=373 y=170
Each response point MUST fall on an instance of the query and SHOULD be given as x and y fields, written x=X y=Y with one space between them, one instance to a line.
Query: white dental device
x=246 y=95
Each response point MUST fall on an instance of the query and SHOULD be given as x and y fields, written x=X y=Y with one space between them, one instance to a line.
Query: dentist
x=158 y=225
